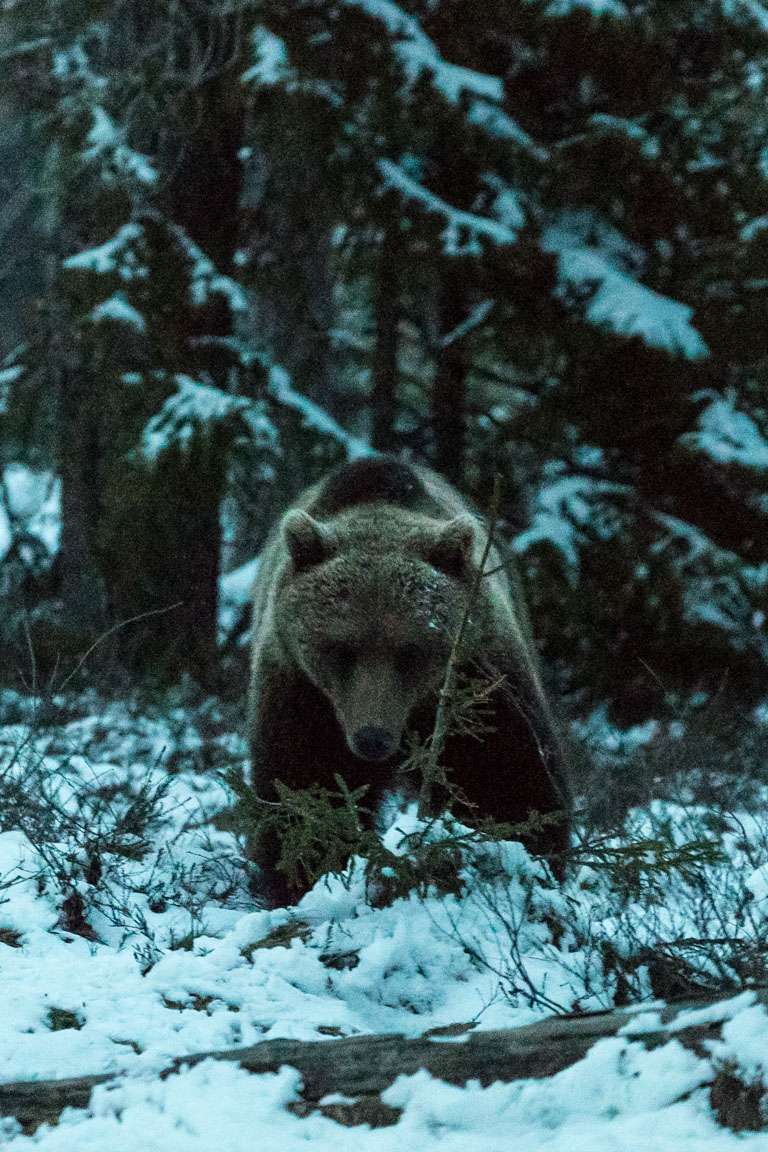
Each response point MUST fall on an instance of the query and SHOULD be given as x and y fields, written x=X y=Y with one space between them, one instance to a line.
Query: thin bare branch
x=432 y=772
x=111 y=631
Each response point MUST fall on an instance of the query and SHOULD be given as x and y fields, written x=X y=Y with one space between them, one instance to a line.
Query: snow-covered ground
x=173 y=957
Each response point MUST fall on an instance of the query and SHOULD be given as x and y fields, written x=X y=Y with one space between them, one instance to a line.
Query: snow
x=501 y=126
x=194 y=410
x=271 y=58
x=34 y=501
x=114 y=255
x=728 y=436
x=507 y=205
x=34 y=496
x=106 y=146
x=118 y=309
x=235 y=592
x=617 y=302
x=593 y=256
x=121 y=255
x=418 y=55
x=7 y=377
x=744 y=1044
x=140 y=1000
x=758 y=883
x=718 y=588
x=599 y=7
x=754 y=9
x=71 y=62
x=565 y=507
x=626 y=307
x=313 y=415
x=619 y=1098
x=715 y=1013
x=754 y=228
x=597 y=731
x=206 y=280
x=621 y=126
x=457 y=221
x=477 y=316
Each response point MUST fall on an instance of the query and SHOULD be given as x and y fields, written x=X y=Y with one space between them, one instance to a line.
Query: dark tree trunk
x=58 y=644
x=293 y=230
x=81 y=587
x=449 y=387
x=204 y=198
x=168 y=519
x=386 y=314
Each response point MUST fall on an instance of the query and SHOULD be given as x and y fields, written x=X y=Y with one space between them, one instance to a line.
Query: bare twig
x=116 y=628
x=432 y=772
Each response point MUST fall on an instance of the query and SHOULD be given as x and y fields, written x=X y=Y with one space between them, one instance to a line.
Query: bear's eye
x=410 y=657
x=340 y=657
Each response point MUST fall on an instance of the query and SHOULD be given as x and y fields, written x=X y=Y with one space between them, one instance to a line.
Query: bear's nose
x=373 y=743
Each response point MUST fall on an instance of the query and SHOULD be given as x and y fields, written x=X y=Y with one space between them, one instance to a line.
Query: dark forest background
x=242 y=241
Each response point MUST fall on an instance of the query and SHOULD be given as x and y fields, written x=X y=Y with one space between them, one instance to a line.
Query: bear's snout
x=372 y=743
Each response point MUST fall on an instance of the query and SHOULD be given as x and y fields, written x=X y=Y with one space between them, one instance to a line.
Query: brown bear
x=361 y=590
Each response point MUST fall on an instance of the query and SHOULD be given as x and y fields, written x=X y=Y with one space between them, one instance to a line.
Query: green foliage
x=429 y=861
x=319 y=829
x=643 y=866
x=468 y=706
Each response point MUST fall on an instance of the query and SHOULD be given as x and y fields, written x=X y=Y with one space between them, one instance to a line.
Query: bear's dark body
x=375 y=562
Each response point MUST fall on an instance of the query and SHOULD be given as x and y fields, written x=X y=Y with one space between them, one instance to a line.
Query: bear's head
x=368 y=609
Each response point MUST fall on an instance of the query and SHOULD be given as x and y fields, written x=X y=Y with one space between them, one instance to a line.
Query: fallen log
x=360 y=1067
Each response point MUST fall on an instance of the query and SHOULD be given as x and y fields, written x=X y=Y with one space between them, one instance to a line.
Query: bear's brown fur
x=360 y=592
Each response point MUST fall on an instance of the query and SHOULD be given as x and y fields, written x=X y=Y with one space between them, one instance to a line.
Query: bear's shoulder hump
x=369 y=480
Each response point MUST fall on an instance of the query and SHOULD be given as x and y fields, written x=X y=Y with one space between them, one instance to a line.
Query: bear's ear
x=308 y=541
x=451 y=549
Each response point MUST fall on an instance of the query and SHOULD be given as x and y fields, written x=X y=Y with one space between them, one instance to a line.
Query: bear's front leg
x=263 y=848
x=295 y=738
x=513 y=770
